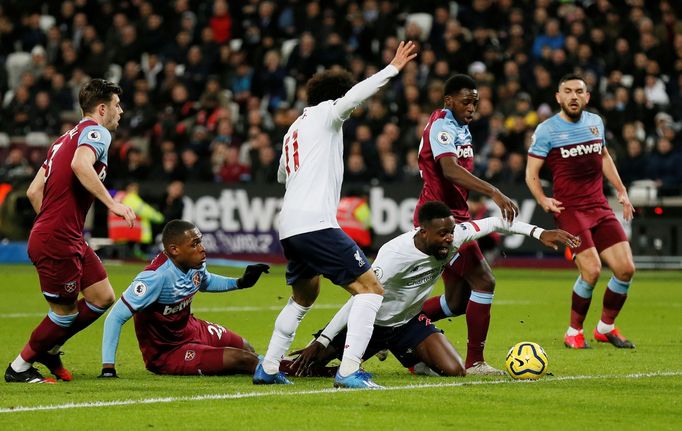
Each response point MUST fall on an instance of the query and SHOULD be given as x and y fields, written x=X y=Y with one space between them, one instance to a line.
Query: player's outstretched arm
x=611 y=174
x=83 y=166
x=365 y=89
x=118 y=315
x=475 y=229
x=555 y=237
x=458 y=175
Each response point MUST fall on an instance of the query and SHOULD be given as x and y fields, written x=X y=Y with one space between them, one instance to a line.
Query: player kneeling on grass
x=171 y=339
x=408 y=267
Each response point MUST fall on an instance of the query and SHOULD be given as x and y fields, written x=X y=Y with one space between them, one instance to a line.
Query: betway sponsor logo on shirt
x=581 y=149
x=175 y=308
x=464 y=152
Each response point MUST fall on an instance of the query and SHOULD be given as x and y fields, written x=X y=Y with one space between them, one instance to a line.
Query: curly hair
x=328 y=85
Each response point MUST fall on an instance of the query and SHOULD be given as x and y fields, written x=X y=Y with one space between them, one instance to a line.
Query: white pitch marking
x=322 y=391
x=235 y=309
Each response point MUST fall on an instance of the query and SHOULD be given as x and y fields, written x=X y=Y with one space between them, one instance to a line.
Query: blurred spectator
x=664 y=168
x=172 y=205
x=43 y=115
x=232 y=171
x=634 y=164
x=16 y=169
x=195 y=168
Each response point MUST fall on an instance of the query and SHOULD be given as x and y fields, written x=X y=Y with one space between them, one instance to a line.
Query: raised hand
x=251 y=275
x=404 y=53
x=551 y=238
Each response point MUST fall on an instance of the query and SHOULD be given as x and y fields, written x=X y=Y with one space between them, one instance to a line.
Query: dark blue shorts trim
x=400 y=340
x=329 y=252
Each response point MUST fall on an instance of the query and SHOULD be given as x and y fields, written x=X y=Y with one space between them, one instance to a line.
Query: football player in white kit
x=311 y=166
x=408 y=267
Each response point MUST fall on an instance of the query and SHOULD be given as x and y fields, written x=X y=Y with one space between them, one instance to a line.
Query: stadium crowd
x=211 y=86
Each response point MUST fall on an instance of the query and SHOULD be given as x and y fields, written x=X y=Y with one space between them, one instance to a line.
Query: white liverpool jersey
x=311 y=164
x=408 y=275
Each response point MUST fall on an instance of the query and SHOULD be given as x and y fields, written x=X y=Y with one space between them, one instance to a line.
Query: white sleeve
x=474 y=229
x=362 y=91
x=336 y=325
x=281 y=170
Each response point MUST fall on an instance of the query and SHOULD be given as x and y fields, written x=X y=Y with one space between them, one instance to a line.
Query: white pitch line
x=235 y=309
x=321 y=391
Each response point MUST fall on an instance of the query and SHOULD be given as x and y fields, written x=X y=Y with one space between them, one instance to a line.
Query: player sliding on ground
x=408 y=267
x=171 y=339
x=313 y=243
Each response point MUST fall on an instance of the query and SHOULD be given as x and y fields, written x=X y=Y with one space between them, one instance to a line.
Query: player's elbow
x=34 y=192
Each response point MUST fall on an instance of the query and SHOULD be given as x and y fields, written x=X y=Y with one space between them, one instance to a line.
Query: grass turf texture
x=627 y=389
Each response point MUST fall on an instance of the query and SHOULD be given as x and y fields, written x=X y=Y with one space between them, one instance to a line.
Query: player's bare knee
x=453 y=370
x=625 y=272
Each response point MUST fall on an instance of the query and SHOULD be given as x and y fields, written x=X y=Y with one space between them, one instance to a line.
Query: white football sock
x=283 y=335
x=19 y=365
x=603 y=328
x=572 y=332
x=363 y=312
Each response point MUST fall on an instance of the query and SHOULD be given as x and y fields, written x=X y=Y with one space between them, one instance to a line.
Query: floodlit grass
x=623 y=389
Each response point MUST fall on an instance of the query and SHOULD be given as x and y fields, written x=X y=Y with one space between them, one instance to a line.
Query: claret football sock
x=87 y=314
x=433 y=308
x=614 y=297
x=580 y=302
x=478 y=321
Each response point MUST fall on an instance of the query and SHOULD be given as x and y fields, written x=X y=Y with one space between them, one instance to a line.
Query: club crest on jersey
x=359 y=258
x=190 y=355
x=140 y=288
x=594 y=130
x=70 y=287
x=196 y=279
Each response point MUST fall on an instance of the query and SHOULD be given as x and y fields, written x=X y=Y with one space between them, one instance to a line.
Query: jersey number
x=216 y=330
x=55 y=148
x=291 y=152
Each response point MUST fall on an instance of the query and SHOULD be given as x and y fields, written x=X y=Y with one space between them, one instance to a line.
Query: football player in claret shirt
x=572 y=145
x=408 y=267
x=171 y=339
x=446 y=160
x=61 y=194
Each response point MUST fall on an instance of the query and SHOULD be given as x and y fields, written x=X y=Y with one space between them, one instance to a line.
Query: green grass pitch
x=604 y=386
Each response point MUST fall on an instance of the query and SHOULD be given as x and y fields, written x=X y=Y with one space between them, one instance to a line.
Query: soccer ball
x=526 y=361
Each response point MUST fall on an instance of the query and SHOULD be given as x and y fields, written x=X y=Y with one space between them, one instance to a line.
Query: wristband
x=536 y=232
x=324 y=340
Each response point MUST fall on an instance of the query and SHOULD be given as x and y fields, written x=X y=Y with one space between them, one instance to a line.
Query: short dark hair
x=571 y=77
x=458 y=82
x=174 y=231
x=328 y=85
x=432 y=210
x=97 y=91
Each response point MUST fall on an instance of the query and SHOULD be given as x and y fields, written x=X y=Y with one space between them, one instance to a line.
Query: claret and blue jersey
x=445 y=137
x=573 y=152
